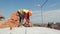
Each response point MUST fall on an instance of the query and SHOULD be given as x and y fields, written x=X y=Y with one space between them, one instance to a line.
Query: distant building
x=38 y=25
x=2 y=17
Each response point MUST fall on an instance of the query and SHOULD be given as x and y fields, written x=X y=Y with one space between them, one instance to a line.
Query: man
x=25 y=14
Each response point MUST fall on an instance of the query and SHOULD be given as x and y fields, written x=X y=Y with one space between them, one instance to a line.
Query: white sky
x=48 y=16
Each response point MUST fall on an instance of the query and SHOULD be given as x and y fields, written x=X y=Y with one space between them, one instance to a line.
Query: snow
x=29 y=30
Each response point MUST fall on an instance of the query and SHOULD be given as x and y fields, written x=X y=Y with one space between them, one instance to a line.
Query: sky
x=7 y=7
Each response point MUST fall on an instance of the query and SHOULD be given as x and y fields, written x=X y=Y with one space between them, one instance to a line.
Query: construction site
x=30 y=17
x=14 y=22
